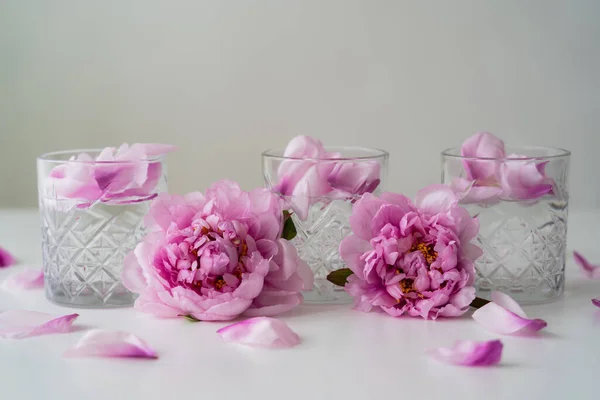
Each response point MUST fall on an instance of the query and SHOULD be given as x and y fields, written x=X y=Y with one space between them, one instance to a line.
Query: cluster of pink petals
x=19 y=324
x=503 y=315
x=6 y=259
x=260 y=332
x=470 y=353
x=26 y=279
x=412 y=259
x=102 y=343
x=491 y=175
x=311 y=174
x=215 y=256
x=116 y=174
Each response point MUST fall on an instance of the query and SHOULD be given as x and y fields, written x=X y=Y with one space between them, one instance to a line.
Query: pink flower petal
x=470 y=353
x=504 y=316
x=596 y=302
x=469 y=192
x=19 y=324
x=101 y=343
x=6 y=259
x=260 y=332
x=24 y=280
x=590 y=270
x=486 y=146
x=435 y=199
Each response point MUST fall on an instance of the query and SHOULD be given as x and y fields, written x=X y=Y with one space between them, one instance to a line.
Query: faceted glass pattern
x=327 y=221
x=318 y=239
x=83 y=252
x=524 y=250
x=85 y=239
x=523 y=242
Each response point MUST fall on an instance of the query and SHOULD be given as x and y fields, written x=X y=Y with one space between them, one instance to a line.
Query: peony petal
x=19 y=324
x=23 y=280
x=101 y=343
x=505 y=301
x=304 y=147
x=589 y=270
x=596 y=302
x=363 y=212
x=132 y=275
x=6 y=259
x=503 y=315
x=524 y=179
x=470 y=353
x=486 y=146
x=260 y=332
x=435 y=199
x=351 y=250
x=468 y=192
x=270 y=303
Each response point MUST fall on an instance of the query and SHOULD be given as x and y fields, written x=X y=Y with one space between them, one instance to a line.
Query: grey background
x=225 y=80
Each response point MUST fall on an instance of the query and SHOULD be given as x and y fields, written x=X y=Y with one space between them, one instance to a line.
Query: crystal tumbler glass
x=92 y=217
x=521 y=202
x=319 y=194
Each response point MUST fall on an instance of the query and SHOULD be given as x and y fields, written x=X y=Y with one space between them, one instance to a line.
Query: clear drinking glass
x=521 y=203
x=86 y=235
x=322 y=220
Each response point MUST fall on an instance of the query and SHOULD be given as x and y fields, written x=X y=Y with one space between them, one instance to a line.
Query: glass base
x=318 y=240
x=83 y=253
x=524 y=248
x=117 y=300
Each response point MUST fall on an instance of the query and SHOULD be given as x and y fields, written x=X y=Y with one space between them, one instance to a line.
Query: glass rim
x=47 y=157
x=454 y=152
x=374 y=154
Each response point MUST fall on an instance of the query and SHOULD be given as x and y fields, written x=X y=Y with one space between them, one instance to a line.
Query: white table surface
x=344 y=354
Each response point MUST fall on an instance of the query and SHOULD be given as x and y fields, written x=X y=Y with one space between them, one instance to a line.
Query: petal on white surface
x=504 y=316
x=260 y=332
x=26 y=279
x=469 y=353
x=102 y=343
x=19 y=324
x=596 y=302
x=590 y=270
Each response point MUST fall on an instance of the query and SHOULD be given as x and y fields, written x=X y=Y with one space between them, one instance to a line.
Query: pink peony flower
x=491 y=175
x=310 y=173
x=413 y=259
x=129 y=171
x=6 y=258
x=215 y=256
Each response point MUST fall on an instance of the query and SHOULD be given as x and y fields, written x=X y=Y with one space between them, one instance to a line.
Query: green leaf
x=339 y=277
x=289 y=229
x=190 y=318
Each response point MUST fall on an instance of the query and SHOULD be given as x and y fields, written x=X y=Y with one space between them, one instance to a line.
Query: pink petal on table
x=260 y=332
x=19 y=324
x=6 y=259
x=503 y=315
x=469 y=353
x=589 y=270
x=23 y=280
x=596 y=302
x=101 y=343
